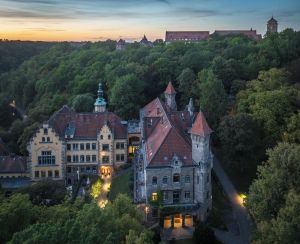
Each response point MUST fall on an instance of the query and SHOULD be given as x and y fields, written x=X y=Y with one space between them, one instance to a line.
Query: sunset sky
x=94 y=20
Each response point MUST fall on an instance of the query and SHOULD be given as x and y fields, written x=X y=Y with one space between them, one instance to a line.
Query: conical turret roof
x=200 y=126
x=170 y=89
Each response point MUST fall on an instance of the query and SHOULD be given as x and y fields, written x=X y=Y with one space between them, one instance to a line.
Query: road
x=239 y=211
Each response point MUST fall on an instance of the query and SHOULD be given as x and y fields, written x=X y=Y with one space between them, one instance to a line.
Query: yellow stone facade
x=47 y=155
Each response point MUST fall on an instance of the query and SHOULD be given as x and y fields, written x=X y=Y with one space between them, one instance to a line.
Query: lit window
x=154 y=180
x=154 y=196
x=176 y=178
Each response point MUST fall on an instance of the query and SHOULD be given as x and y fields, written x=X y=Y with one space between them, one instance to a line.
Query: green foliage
x=16 y=213
x=212 y=96
x=118 y=222
x=96 y=188
x=46 y=192
x=240 y=141
x=186 y=79
x=83 y=103
x=269 y=100
x=274 y=195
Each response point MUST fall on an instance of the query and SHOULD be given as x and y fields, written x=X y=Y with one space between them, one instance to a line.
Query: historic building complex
x=173 y=166
x=72 y=144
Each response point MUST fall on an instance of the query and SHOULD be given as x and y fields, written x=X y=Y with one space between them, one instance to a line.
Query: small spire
x=100 y=91
x=170 y=89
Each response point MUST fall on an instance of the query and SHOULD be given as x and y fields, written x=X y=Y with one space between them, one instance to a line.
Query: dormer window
x=45 y=131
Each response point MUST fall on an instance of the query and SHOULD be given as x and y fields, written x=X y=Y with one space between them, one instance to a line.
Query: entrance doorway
x=177 y=221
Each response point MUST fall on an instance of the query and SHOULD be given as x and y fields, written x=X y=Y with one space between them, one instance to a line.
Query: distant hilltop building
x=249 y=33
x=272 y=25
x=145 y=42
x=187 y=36
x=121 y=44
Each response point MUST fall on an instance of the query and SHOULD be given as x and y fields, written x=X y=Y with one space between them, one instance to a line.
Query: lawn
x=121 y=184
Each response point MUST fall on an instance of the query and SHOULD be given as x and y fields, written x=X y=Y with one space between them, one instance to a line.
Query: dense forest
x=248 y=90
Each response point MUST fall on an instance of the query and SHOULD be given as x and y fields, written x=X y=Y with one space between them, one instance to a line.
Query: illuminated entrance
x=106 y=170
x=178 y=221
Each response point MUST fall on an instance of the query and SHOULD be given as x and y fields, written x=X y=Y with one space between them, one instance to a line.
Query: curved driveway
x=239 y=211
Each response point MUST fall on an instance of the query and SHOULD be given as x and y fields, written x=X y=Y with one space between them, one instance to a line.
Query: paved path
x=102 y=200
x=239 y=211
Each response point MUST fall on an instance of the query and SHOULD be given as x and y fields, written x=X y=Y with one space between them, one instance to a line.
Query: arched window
x=176 y=178
x=165 y=180
x=154 y=180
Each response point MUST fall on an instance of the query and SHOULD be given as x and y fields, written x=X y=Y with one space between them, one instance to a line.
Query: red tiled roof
x=167 y=135
x=10 y=164
x=170 y=89
x=200 y=126
x=87 y=125
x=186 y=35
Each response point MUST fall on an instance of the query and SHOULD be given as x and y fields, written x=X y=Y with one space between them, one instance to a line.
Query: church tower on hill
x=272 y=26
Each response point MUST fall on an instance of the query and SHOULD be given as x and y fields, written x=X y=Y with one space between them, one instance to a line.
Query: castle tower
x=170 y=94
x=272 y=26
x=202 y=157
x=100 y=104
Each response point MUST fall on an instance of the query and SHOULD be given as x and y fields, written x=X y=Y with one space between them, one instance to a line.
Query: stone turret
x=272 y=26
x=170 y=95
x=202 y=157
x=190 y=108
x=100 y=104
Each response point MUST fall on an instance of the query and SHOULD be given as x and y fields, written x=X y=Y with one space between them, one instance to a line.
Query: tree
x=83 y=103
x=185 y=79
x=126 y=96
x=16 y=213
x=276 y=177
x=240 y=141
x=211 y=96
x=46 y=192
x=285 y=228
x=292 y=133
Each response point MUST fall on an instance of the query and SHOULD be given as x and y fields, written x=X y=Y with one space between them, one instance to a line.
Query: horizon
x=100 y=20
